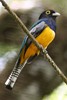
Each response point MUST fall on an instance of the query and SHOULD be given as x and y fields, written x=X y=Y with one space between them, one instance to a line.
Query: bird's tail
x=14 y=75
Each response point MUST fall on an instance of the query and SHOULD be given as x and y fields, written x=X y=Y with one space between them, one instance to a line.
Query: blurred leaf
x=59 y=93
x=7 y=47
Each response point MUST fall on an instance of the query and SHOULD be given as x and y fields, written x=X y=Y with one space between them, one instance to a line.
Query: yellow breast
x=45 y=38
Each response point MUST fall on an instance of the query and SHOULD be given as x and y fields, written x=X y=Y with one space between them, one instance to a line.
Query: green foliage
x=59 y=93
x=7 y=47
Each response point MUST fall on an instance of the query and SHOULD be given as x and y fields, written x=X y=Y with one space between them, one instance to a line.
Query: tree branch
x=34 y=41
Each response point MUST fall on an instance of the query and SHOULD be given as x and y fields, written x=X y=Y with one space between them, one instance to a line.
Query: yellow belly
x=45 y=38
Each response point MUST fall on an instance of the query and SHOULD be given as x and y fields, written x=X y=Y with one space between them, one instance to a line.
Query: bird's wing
x=35 y=31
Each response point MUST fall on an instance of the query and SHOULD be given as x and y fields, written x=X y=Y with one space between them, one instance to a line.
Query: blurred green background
x=39 y=78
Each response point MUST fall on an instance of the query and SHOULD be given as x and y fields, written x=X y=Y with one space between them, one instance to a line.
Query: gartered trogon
x=44 y=32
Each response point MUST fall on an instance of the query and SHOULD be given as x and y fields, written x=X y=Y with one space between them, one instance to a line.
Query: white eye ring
x=48 y=12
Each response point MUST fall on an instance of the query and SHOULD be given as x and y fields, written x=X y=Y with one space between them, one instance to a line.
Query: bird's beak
x=56 y=14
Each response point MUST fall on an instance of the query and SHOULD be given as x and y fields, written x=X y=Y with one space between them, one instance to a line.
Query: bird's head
x=49 y=13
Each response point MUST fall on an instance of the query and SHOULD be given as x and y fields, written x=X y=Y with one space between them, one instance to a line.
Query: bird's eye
x=48 y=12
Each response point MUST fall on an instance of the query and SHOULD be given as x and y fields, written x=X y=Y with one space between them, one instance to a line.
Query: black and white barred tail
x=14 y=75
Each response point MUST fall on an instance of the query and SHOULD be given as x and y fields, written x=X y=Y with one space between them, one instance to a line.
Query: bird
x=44 y=32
